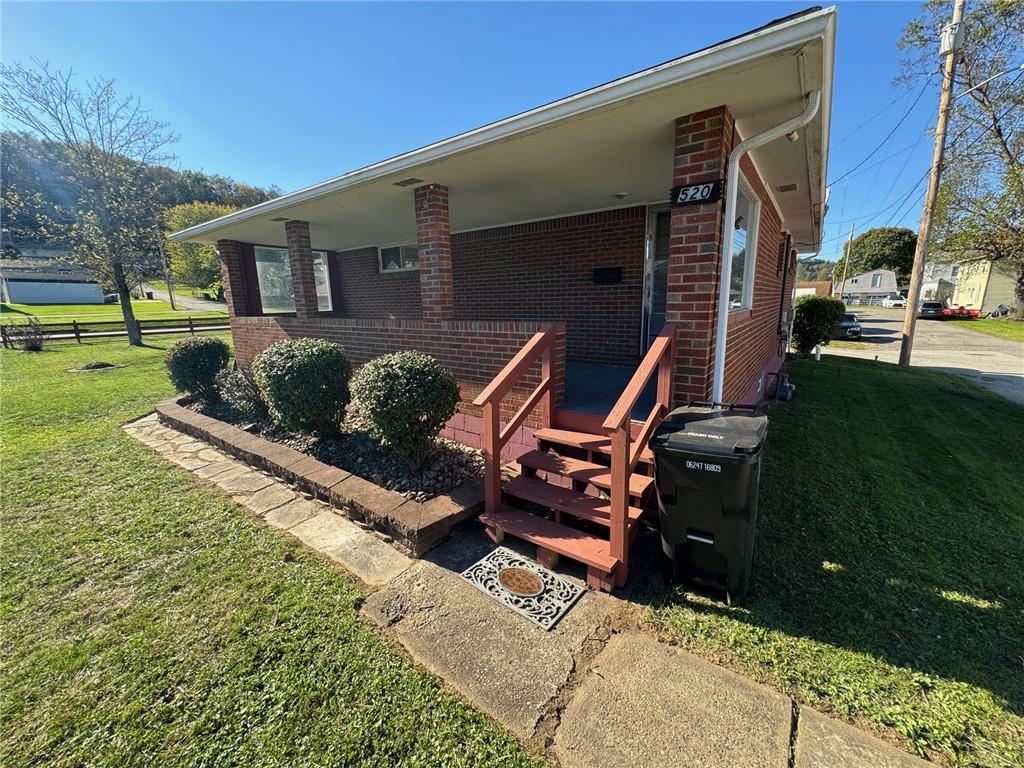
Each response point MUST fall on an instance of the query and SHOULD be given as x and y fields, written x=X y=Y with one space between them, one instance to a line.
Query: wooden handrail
x=542 y=345
x=620 y=412
x=624 y=458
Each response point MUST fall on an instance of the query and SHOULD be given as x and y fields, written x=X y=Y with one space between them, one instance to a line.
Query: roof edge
x=762 y=41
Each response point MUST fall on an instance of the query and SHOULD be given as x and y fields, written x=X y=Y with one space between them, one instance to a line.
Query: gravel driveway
x=997 y=364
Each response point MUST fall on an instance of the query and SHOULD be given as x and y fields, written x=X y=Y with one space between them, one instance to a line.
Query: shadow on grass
x=890 y=524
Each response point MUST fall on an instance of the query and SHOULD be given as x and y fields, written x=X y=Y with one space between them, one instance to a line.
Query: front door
x=655 y=276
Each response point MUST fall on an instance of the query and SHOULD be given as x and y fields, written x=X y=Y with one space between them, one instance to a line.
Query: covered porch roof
x=584 y=152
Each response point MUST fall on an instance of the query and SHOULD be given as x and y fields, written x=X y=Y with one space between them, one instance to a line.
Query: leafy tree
x=879 y=248
x=193 y=263
x=980 y=207
x=811 y=269
x=108 y=142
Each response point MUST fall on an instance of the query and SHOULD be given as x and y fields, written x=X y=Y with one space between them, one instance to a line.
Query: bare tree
x=109 y=143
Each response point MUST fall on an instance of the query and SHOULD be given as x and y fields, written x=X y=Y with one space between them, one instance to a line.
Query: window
x=274 y=274
x=744 y=248
x=876 y=280
x=399 y=258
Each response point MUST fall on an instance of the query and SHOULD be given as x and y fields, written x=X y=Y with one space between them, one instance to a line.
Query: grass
x=1004 y=328
x=890 y=576
x=65 y=313
x=148 y=621
x=844 y=344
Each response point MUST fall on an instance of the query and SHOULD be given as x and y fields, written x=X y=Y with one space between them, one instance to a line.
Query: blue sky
x=294 y=93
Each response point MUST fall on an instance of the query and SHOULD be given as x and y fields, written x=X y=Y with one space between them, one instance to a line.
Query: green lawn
x=147 y=621
x=65 y=313
x=1004 y=328
x=890 y=577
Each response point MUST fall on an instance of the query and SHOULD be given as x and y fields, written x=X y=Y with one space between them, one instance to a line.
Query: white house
x=867 y=287
x=45 y=282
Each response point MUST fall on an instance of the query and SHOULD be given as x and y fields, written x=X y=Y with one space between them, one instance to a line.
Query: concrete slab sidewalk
x=594 y=691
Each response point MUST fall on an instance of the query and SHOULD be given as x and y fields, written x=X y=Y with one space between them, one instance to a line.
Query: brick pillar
x=433 y=235
x=300 y=255
x=232 y=275
x=702 y=145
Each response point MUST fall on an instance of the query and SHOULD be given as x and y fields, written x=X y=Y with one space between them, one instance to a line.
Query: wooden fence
x=112 y=328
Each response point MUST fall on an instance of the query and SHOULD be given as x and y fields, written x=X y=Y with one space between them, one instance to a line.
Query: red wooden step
x=583 y=471
x=585 y=440
x=566 y=500
x=556 y=537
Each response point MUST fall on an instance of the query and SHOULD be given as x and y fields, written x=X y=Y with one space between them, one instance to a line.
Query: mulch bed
x=355 y=451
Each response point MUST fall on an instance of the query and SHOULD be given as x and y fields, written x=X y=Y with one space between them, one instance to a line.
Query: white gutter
x=729 y=227
x=738 y=51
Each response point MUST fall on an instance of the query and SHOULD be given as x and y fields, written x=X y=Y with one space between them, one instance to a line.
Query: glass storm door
x=655 y=277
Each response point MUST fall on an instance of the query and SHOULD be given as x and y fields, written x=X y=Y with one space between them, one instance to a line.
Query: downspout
x=729 y=226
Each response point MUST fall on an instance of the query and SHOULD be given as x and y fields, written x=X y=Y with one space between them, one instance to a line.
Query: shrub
x=406 y=397
x=238 y=387
x=304 y=383
x=193 y=365
x=27 y=336
x=816 y=320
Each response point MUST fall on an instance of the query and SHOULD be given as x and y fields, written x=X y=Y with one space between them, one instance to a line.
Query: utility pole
x=846 y=263
x=951 y=37
x=167 y=269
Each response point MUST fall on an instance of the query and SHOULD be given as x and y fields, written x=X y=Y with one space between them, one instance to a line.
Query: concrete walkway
x=595 y=691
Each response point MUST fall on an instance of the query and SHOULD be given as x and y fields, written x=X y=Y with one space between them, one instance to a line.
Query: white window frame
x=327 y=273
x=753 y=230
x=380 y=258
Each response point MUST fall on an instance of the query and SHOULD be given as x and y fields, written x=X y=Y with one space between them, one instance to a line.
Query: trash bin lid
x=711 y=430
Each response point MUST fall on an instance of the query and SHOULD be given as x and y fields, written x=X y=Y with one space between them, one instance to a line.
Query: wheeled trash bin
x=707 y=468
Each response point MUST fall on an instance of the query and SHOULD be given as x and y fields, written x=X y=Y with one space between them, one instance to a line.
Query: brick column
x=232 y=275
x=702 y=145
x=300 y=255
x=433 y=235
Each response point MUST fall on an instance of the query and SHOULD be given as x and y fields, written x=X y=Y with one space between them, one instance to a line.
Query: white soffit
x=575 y=154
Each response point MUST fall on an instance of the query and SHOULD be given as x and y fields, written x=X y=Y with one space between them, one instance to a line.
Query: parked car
x=894 y=302
x=931 y=310
x=848 y=328
x=111 y=298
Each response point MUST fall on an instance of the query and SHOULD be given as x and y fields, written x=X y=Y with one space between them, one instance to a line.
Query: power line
x=888 y=135
x=879 y=112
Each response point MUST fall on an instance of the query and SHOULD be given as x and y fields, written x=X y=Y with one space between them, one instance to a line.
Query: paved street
x=996 y=364
x=185 y=301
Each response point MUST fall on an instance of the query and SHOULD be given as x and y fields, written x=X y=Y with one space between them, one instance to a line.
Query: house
x=46 y=281
x=813 y=288
x=939 y=280
x=984 y=284
x=556 y=259
x=867 y=287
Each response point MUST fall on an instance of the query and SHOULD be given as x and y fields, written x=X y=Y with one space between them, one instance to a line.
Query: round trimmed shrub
x=816 y=320
x=193 y=365
x=304 y=383
x=238 y=387
x=406 y=398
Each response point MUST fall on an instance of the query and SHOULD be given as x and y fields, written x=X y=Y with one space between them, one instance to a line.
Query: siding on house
x=983 y=285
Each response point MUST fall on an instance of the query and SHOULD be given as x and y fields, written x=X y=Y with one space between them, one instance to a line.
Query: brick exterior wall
x=433 y=235
x=232 y=275
x=473 y=351
x=360 y=290
x=544 y=271
x=300 y=255
x=703 y=142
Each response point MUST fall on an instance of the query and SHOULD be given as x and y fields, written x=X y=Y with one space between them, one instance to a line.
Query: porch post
x=433 y=236
x=300 y=256
x=702 y=145
x=232 y=277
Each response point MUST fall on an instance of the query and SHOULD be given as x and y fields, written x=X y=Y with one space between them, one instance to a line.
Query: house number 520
x=707 y=192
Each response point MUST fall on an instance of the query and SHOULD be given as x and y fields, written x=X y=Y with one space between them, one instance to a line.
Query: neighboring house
x=46 y=281
x=813 y=288
x=541 y=258
x=939 y=280
x=984 y=284
x=867 y=287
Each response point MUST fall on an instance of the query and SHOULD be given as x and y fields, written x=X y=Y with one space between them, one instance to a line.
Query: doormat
x=528 y=589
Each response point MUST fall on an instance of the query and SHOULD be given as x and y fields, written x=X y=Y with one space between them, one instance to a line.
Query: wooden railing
x=626 y=451
x=542 y=345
